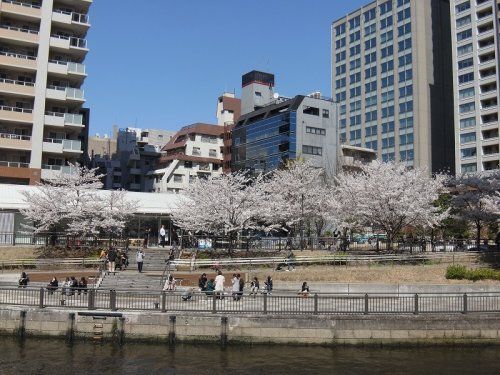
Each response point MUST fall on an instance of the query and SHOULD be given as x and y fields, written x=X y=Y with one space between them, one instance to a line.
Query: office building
x=43 y=126
x=274 y=129
x=391 y=74
x=475 y=36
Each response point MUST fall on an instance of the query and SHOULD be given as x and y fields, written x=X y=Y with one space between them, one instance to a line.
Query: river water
x=54 y=357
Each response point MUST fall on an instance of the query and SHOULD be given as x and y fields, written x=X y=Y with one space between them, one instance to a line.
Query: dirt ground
x=17 y=252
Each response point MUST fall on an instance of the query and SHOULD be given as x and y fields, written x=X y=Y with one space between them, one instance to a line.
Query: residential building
x=274 y=129
x=228 y=112
x=391 y=75
x=475 y=36
x=43 y=126
x=193 y=152
x=353 y=158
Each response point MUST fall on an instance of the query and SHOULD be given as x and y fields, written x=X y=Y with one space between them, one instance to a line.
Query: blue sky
x=163 y=63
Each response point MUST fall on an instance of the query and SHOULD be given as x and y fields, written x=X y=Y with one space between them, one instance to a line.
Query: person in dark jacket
x=24 y=280
x=53 y=285
x=82 y=286
x=111 y=260
x=73 y=285
x=269 y=284
x=242 y=286
x=202 y=282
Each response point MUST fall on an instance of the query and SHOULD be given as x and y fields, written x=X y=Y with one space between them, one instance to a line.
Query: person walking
x=269 y=284
x=235 y=289
x=162 y=235
x=111 y=260
x=24 y=280
x=146 y=238
x=219 y=285
x=140 y=260
x=241 y=286
x=254 y=287
x=290 y=261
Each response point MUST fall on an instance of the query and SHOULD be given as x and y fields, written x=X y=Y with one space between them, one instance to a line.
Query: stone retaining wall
x=228 y=329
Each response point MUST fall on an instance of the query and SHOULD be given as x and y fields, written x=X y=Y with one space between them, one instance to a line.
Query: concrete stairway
x=131 y=279
x=154 y=259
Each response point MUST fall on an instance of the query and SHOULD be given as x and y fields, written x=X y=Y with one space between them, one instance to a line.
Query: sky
x=161 y=64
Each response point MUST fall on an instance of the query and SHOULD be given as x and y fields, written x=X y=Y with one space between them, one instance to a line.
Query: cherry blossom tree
x=388 y=196
x=224 y=205
x=475 y=198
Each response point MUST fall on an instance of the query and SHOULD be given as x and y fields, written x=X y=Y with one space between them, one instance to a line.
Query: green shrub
x=456 y=272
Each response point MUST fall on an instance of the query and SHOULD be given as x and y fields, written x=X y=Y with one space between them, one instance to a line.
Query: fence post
x=91 y=300
x=112 y=300
x=41 y=305
x=214 y=303
x=316 y=304
x=366 y=304
x=14 y=239
x=265 y=303
x=163 y=301
x=416 y=304
x=465 y=304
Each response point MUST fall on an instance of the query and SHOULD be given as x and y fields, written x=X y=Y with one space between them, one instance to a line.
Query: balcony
x=64 y=119
x=19 y=88
x=65 y=68
x=69 y=43
x=58 y=146
x=15 y=114
x=17 y=60
x=64 y=93
x=19 y=8
x=19 y=34
x=14 y=164
x=53 y=171
x=78 y=21
x=15 y=141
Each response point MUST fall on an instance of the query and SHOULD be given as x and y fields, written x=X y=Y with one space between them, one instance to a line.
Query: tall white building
x=475 y=44
x=42 y=124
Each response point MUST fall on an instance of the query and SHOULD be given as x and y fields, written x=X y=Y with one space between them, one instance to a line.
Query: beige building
x=392 y=79
x=475 y=36
x=42 y=124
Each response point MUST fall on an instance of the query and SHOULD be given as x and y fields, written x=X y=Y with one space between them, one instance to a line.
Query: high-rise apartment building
x=475 y=36
x=391 y=75
x=43 y=126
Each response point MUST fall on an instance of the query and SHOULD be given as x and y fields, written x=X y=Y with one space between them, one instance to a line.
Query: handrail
x=17 y=55
x=15 y=28
x=53 y=140
x=14 y=164
x=15 y=136
x=15 y=109
x=75 y=16
x=15 y=82
x=35 y=6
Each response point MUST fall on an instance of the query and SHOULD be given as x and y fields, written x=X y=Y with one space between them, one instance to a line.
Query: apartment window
x=196 y=151
x=354 y=37
x=463 y=21
x=387 y=112
x=354 y=22
x=465 y=78
x=463 y=50
x=208 y=139
x=370 y=29
x=371 y=101
x=341 y=96
x=387 y=142
x=341 y=69
x=463 y=64
x=406 y=107
x=467 y=122
x=468 y=152
x=404 y=29
x=371 y=43
x=340 y=56
x=355 y=134
x=355 y=120
x=212 y=153
x=406 y=75
x=404 y=14
x=467 y=137
x=387 y=96
x=340 y=43
x=405 y=60
x=340 y=83
x=355 y=105
x=385 y=7
x=355 y=50
x=402 y=2
x=388 y=157
x=466 y=34
x=386 y=22
x=370 y=14
x=340 y=29
x=177 y=178
x=406 y=155
x=355 y=78
x=371 y=86
x=466 y=93
x=355 y=91
x=326 y=113
x=388 y=127
x=371 y=130
x=406 y=123
x=354 y=64
x=387 y=81
x=467 y=107
x=371 y=116
x=373 y=145
x=387 y=51
x=405 y=91
x=469 y=168
x=406 y=139
x=312 y=150
x=317 y=131
x=370 y=58
x=387 y=66
x=314 y=111
x=404 y=45
x=462 y=7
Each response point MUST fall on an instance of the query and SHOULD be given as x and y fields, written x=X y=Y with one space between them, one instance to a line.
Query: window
x=371 y=72
x=371 y=43
x=387 y=66
x=355 y=78
x=406 y=75
x=404 y=29
x=405 y=91
x=354 y=37
x=341 y=69
x=312 y=150
x=387 y=96
x=468 y=152
x=310 y=111
x=355 y=91
x=466 y=34
x=387 y=112
x=465 y=78
x=405 y=60
x=340 y=56
x=467 y=122
x=469 y=168
x=406 y=107
x=317 y=131
x=404 y=45
x=467 y=137
x=387 y=81
x=355 y=105
x=340 y=29
x=462 y=7
x=406 y=139
x=386 y=22
x=188 y=164
x=354 y=22
x=385 y=7
x=371 y=130
x=370 y=101
x=177 y=178
x=371 y=116
x=463 y=50
x=387 y=51
x=208 y=139
x=406 y=123
x=370 y=58
x=354 y=64
x=258 y=93
x=403 y=2
x=463 y=21
x=355 y=134
x=462 y=64
x=212 y=153
x=387 y=142
x=373 y=145
x=326 y=113
x=196 y=151
x=340 y=43
x=466 y=93
x=370 y=14
x=370 y=29
x=371 y=86
x=404 y=14
x=388 y=127
x=355 y=50
x=340 y=83
x=355 y=120
x=467 y=107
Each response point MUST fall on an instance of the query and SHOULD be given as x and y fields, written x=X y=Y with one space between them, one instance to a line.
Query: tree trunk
x=478 y=234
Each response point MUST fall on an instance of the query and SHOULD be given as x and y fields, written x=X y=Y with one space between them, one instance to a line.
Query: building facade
x=391 y=75
x=475 y=36
x=273 y=129
x=228 y=112
x=193 y=152
x=43 y=126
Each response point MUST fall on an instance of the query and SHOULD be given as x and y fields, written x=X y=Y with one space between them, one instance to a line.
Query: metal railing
x=259 y=303
x=15 y=82
x=73 y=67
x=65 y=169
x=57 y=239
x=52 y=263
x=73 y=40
x=29 y=5
x=23 y=30
x=14 y=164
x=17 y=55
x=15 y=109
x=70 y=91
x=15 y=136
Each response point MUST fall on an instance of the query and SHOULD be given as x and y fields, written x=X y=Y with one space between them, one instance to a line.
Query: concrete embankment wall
x=446 y=329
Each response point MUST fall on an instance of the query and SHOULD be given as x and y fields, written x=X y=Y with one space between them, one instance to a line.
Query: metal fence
x=261 y=303
x=58 y=239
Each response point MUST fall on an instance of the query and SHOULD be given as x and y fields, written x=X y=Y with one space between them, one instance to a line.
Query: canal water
x=54 y=357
